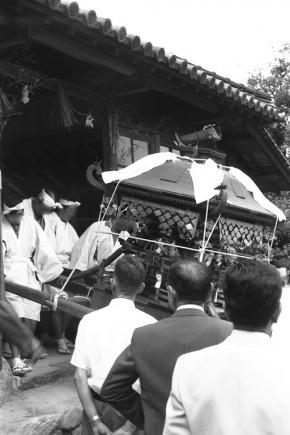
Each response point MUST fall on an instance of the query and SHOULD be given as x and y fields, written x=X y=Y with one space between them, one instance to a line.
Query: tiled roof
x=232 y=91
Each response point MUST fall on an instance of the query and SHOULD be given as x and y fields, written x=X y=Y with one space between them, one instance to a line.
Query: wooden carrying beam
x=36 y=296
x=77 y=50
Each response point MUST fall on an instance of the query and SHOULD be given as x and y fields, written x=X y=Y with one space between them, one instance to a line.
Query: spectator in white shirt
x=242 y=385
x=102 y=336
x=280 y=335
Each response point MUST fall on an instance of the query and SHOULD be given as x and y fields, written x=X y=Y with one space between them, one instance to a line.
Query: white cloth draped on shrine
x=206 y=178
x=143 y=165
x=257 y=194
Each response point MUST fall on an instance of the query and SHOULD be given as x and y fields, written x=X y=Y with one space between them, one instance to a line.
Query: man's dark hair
x=252 y=291
x=51 y=192
x=125 y=224
x=129 y=273
x=13 y=199
x=190 y=279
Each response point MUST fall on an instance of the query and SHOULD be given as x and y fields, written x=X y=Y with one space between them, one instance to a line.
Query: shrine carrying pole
x=31 y=294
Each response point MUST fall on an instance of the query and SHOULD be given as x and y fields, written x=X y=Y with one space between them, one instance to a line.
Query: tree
x=277 y=86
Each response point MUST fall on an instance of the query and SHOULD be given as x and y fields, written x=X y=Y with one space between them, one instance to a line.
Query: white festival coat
x=25 y=257
x=94 y=246
x=28 y=211
x=62 y=237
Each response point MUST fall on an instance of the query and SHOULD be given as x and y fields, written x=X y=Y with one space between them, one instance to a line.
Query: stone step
x=47 y=370
x=49 y=409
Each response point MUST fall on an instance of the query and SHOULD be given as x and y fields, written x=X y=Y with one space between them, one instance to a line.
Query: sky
x=231 y=37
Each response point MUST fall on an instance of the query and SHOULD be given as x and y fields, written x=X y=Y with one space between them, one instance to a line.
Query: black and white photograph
x=144 y=217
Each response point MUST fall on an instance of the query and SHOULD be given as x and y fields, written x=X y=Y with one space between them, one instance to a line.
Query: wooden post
x=2 y=284
x=110 y=136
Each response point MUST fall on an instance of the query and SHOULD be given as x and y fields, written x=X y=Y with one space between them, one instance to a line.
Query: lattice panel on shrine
x=240 y=234
x=186 y=220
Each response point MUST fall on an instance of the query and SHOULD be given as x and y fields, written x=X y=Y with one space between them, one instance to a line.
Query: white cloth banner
x=258 y=195
x=205 y=177
x=143 y=165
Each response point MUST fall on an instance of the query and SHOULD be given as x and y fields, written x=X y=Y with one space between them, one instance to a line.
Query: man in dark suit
x=155 y=348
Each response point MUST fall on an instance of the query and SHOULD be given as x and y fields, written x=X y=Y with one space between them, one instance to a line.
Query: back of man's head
x=252 y=291
x=129 y=275
x=190 y=280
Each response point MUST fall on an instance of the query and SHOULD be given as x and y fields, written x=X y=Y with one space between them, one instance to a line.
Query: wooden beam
x=94 y=77
x=267 y=178
x=29 y=76
x=37 y=296
x=77 y=50
x=267 y=149
x=12 y=42
x=178 y=92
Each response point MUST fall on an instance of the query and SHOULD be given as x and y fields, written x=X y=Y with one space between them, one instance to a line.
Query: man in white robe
x=63 y=237
x=97 y=243
x=60 y=232
x=40 y=207
x=29 y=260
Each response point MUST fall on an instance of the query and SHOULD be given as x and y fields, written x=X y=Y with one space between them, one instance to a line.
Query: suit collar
x=188 y=312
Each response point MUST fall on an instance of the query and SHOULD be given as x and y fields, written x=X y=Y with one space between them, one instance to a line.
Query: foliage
x=277 y=85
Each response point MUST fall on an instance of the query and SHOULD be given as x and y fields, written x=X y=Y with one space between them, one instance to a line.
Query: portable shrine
x=196 y=208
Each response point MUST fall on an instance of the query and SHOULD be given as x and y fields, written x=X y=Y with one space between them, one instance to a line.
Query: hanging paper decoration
x=89 y=121
x=25 y=95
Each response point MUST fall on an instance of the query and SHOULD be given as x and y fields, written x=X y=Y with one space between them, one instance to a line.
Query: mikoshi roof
x=245 y=96
x=171 y=174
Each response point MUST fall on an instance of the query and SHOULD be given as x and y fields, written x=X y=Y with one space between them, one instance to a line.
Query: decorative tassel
x=62 y=112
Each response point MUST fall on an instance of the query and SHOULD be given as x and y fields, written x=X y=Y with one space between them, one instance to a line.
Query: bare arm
x=87 y=400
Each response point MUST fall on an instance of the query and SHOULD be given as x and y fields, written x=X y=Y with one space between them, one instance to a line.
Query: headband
x=66 y=202
x=47 y=200
x=17 y=207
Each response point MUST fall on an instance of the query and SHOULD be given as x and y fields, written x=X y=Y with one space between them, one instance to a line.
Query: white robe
x=26 y=256
x=94 y=242
x=62 y=236
x=28 y=211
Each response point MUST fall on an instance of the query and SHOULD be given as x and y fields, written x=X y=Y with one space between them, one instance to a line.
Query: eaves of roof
x=247 y=97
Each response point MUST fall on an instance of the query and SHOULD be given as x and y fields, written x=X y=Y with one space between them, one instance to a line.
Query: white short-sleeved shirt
x=281 y=329
x=238 y=387
x=103 y=335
